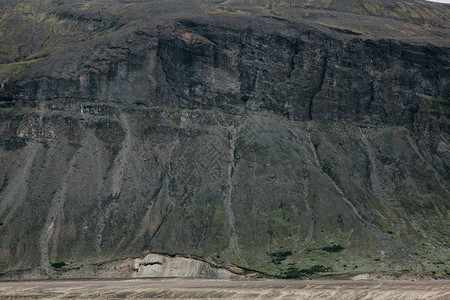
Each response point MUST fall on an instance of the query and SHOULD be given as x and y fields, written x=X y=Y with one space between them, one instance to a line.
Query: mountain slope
x=273 y=139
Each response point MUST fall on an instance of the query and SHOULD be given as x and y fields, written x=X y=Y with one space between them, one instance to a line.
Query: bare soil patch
x=224 y=289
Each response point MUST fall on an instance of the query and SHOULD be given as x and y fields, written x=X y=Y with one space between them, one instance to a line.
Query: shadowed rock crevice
x=321 y=80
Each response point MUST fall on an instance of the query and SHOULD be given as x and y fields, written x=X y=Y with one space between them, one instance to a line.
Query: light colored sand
x=224 y=289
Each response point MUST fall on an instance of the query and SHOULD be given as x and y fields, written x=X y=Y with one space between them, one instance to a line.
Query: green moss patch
x=333 y=248
x=147 y=122
x=58 y=265
x=278 y=257
x=15 y=70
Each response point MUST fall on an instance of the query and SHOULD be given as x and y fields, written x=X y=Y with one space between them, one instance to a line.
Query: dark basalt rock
x=260 y=65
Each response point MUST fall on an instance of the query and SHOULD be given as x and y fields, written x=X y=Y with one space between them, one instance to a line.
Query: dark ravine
x=277 y=142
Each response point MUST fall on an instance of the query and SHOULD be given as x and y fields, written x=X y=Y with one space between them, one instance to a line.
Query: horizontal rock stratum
x=293 y=138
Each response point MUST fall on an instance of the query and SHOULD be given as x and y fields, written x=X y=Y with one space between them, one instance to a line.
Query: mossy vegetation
x=147 y=122
x=382 y=223
x=333 y=248
x=218 y=9
x=314 y=138
x=416 y=202
x=278 y=257
x=7 y=111
x=189 y=211
x=58 y=265
x=247 y=148
x=113 y=150
x=14 y=112
x=15 y=70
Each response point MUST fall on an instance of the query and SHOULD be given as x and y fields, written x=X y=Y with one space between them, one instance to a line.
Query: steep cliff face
x=262 y=141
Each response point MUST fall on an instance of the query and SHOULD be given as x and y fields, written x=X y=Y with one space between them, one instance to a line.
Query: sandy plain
x=224 y=289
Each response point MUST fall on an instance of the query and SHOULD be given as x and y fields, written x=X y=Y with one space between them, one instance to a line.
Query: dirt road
x=224 y=289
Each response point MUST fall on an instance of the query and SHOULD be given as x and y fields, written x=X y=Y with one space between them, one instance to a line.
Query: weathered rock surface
x=262 y=141
x=151 y=266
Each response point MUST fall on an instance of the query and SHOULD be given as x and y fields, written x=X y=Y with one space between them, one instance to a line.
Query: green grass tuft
x=333 y=248
x=58 y=265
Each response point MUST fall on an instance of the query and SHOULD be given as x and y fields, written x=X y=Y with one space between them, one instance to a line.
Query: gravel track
x=224 y=289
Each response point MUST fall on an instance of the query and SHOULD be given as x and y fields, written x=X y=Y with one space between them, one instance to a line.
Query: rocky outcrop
x=262 y=64
x=152 y=265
